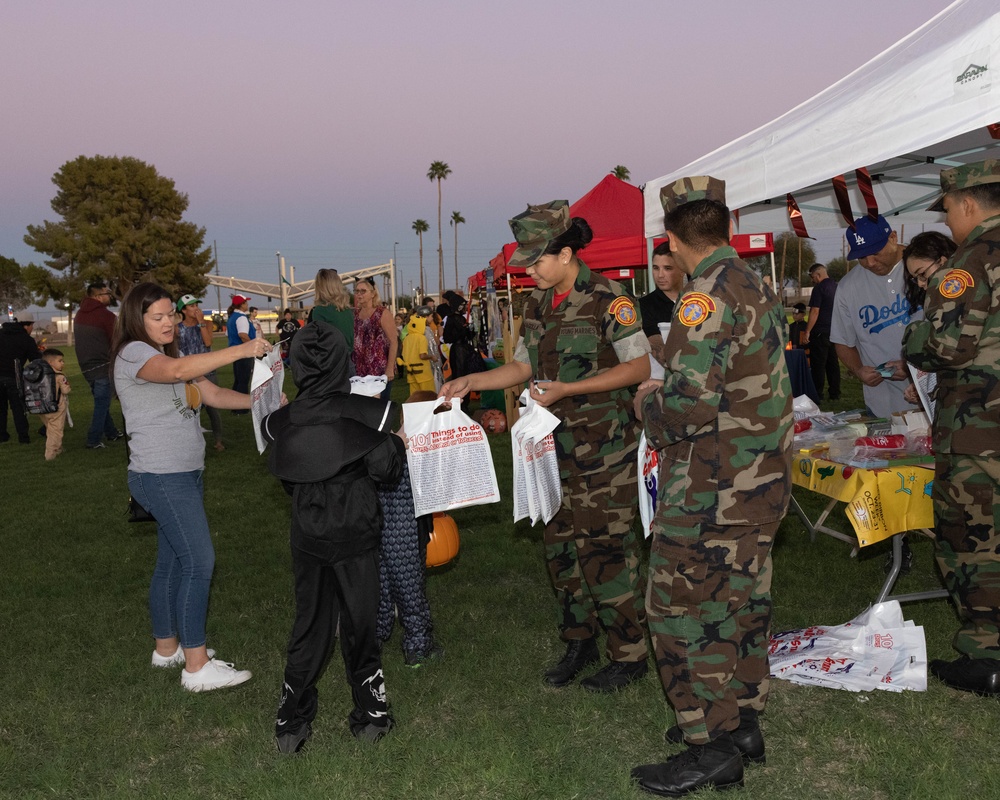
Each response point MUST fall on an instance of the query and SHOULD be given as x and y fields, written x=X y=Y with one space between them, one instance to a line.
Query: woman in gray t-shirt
x=160 y=396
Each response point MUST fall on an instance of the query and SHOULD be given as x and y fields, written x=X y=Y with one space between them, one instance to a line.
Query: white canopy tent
x=919 y=107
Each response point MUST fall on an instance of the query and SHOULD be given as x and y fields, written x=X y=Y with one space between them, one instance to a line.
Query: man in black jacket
x=17 y=348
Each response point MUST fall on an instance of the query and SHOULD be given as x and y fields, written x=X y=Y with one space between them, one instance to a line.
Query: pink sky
x=308 y=127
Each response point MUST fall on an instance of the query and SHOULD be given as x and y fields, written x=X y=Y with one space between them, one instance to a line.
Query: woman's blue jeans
x=185 y=558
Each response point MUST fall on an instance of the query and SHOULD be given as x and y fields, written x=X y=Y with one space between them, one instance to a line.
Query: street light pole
x=282 y=284
x=395 y=277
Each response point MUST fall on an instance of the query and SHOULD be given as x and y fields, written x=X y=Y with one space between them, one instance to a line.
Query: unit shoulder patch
x=695 y=308
x=954 y=283
x=623 y=310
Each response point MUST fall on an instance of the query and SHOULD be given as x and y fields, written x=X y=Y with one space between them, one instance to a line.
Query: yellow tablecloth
x=880 y=502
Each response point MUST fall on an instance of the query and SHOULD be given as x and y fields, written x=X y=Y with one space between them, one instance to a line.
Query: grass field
x=82 y=714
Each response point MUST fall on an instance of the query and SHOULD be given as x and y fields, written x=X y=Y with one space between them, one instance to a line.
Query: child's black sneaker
x=417 y=659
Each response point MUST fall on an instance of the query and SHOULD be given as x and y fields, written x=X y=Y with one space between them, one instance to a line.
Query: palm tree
x=438 y=172
x=622 y=173
x=421 y=227
x=456 y=220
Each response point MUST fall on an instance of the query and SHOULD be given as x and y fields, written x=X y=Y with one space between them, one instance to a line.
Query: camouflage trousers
x=966 y=496
x=709 y=609
x=592 y=558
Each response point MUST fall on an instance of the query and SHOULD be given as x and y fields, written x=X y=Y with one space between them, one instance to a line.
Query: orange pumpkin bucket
x=444 y=543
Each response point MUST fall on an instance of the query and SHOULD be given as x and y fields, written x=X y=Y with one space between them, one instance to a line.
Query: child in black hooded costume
x=330 y=448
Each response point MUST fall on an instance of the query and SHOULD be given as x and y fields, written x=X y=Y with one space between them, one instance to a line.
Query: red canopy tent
x=614 y=211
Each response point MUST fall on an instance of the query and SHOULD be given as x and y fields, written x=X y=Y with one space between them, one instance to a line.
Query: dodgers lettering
x=870 y=315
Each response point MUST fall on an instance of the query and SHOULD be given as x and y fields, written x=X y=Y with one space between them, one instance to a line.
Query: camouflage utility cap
x=967 y=175
x=535 y=228
x=687 y=190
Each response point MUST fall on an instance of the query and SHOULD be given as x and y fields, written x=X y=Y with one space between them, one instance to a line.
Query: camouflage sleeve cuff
x=631 y=347
x=914 y=341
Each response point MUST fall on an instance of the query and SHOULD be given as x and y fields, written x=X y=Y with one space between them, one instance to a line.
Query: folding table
x=881 y=503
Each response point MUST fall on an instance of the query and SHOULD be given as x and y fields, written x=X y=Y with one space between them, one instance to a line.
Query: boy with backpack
x=45 y=393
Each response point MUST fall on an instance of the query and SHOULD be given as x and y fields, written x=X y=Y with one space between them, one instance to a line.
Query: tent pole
x=392 y=285
x=799 y=290
x=649 y=265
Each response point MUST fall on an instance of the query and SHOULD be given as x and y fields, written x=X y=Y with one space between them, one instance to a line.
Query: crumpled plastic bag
x=878 y=649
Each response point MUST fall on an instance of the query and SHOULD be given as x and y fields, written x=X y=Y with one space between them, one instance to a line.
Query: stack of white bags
x=876 y=650
x=537 y=487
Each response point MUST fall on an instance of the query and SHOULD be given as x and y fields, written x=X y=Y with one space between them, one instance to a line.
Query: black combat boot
x=717 y=764
x=748 y=738
x=977 y=675
x=579 y=654
x=616 y=675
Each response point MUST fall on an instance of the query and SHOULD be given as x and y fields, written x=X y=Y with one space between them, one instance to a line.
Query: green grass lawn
x=82 y=713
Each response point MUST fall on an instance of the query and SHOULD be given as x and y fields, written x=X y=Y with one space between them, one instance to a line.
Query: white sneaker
x=214 y=675
x=176 y=660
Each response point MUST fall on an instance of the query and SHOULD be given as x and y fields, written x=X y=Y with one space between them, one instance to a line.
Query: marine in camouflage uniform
x=959 y=339
x=722 y=423
x=590 y=349
x=590 y=545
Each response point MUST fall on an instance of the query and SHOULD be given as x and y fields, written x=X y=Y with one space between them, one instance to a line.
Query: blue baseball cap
x=868 y=237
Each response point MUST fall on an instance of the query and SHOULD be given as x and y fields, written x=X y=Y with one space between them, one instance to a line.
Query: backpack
x=38 y=387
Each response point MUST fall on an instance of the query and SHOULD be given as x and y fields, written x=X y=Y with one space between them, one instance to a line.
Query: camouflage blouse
x=959 y=339
x=723 y=420
x=594 y=329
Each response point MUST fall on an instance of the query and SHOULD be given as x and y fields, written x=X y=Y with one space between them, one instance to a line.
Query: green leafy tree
x=14 y=292
x=456 y=220
x=121 y=224
x=421 y=227
x=439 y=171
x=837 y=267
x=622 y=173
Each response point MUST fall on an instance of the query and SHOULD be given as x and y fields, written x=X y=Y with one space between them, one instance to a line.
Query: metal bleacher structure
x=290 y=293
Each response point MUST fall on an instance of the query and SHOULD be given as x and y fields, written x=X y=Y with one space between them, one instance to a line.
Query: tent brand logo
x=973 y=72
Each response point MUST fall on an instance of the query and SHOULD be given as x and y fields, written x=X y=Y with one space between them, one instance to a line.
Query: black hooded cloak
x=330 y=448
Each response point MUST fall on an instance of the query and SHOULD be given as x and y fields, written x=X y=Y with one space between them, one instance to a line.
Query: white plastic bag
x=876 y=650
x=537 y=487
x=649 y=472
x=449 y=458
x=368 y=385
x=265 y=390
